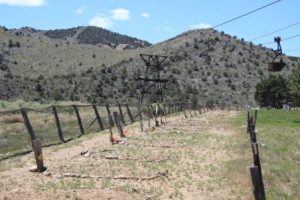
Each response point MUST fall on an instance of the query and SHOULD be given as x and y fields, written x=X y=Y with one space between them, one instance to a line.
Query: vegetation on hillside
x=94 y=35
x=61 y=33
x=202 y=65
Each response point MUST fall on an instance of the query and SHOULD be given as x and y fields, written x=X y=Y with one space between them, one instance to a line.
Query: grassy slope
x=278 y=135
x=40 y=55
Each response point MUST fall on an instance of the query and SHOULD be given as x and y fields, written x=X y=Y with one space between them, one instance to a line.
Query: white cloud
x=201 y=26
x=80 y=11
x=120 y=14
x=145 y=14
x=23 y=2
x=101 y=22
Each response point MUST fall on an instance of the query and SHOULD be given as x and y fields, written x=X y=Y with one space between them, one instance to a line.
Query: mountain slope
x=97 y=36
x=203 y=65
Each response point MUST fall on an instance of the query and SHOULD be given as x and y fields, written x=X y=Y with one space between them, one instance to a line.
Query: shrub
x=272 y=92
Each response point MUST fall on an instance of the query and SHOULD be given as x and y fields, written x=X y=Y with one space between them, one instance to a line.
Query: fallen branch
x=119 y=177
x=136 y=159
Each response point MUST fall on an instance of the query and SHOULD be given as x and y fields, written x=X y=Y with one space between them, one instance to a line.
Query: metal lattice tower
x=151 y=85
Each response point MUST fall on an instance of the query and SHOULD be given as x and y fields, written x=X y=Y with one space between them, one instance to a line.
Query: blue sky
x=158 y=20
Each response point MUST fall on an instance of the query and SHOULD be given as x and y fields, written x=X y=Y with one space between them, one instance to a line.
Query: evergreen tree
x=272 y=92
x=294 y=86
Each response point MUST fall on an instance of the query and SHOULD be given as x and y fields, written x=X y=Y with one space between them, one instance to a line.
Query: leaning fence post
x=121 y=113
x=36 y=144
x=37 y=148
x=57 y=121
x=27 y=124
x=129 y=113
x=78 y=119
x=109 y=114
x=98 y=117
x=119 y=125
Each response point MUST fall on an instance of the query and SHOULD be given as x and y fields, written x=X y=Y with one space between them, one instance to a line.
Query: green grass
x=278 y=133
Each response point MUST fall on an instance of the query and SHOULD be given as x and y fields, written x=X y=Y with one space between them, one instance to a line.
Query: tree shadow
x=297 y=121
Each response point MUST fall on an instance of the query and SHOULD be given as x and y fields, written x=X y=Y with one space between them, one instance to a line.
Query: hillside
x=97 y=36
x=203 y=65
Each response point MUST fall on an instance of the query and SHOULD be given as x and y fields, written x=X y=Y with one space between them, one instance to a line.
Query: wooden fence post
x=36 y=144
x=98 y=117
x=109 y=114
x=110 y=124
x=78 y=119
x=57 y=121
x=149 y=117
x=129 y=114
x=37 y=148
x=119 y=125
x=256 y=173
x=121 y=113
x=258 y=188
x=28 y=124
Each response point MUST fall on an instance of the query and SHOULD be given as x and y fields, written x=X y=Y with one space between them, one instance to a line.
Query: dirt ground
x=183 y=159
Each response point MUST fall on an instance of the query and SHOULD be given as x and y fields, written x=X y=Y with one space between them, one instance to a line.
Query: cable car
x=276 y=66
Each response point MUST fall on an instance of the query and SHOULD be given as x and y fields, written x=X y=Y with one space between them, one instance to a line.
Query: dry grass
x=11 y=119
x=196 y=164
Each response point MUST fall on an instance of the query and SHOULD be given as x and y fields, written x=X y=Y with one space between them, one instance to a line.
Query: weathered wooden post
x=119 y=125
x=109 y=114
x=36 y=144
x=99 y=119
x=27 y=124
x=39 y=158
x=79 y=119
x=149 y=117
x=121 y=113
x=258 y=188
x=129 y=114
x=256 y=173
x=57 y=121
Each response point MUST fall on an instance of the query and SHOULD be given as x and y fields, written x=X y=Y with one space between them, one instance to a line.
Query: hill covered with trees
x=202 y=65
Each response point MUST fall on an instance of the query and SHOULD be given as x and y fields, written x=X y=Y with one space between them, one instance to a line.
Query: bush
x=294 y=86
x=273 y=92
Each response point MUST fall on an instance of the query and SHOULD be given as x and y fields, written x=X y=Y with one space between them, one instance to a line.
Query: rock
x=87 y=154
x=33 y=169
x=85 y=151
x=47 y=173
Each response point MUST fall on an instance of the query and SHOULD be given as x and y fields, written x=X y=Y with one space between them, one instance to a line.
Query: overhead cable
x=285 y=39
x=270 y=33
x=233 y=19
